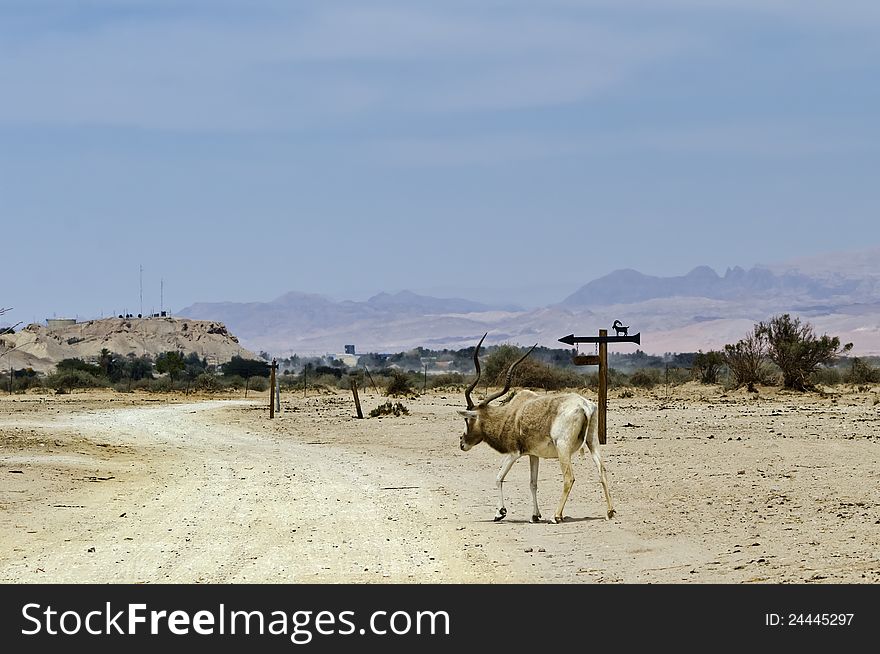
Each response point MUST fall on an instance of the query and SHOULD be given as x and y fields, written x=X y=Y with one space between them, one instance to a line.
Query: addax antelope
x=551 y=426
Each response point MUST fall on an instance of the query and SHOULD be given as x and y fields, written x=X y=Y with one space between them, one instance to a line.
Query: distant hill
x=838 y=294
x=628 y=286
x=40 y=347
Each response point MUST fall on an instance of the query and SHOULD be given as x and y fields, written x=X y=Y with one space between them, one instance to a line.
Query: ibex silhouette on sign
x=620 y=328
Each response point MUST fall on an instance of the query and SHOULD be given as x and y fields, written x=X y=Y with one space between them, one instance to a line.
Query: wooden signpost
x=601 y=360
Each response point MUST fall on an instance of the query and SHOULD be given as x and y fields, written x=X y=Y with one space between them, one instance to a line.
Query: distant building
x=60 y=323
x=350 y=360
x=349 y=349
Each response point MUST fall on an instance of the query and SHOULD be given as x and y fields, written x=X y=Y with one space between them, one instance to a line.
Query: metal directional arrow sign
x=571 y=339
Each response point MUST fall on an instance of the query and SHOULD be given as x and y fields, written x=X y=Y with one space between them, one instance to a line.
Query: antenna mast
x=142 y=290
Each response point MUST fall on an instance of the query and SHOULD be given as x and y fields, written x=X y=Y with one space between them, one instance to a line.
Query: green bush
x=66 y=365
x=208 y=383
x=530 y=373
x=398 y=384
x=245 y=367
x=827 y=376
x=453 y=379
x=795 y=348
x=161 y=385
x=645 y=378
x=616 y=379
x=233 y=381
x=707 y=366
x=67 y=380
x=171 y=363
x=258 y=384
x=861 y=372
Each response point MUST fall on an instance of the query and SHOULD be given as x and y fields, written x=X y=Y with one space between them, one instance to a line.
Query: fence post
x=357 y=400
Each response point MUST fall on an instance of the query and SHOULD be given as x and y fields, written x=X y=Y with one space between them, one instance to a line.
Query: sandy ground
x=708 y=486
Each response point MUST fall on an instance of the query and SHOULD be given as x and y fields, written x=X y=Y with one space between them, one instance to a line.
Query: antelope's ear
x=468 y=414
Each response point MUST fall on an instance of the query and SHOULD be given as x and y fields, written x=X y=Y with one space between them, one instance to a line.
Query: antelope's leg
x=567 y=481
x=509 y=460
x=595 y=448
x=533 y=486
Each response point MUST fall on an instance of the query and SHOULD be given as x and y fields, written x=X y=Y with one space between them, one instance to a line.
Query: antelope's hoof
x=502 y=513
x=536 y=518
x=557 y=519
x=611 y=514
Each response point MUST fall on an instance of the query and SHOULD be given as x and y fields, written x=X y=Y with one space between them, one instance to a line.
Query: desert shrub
x=645 y=378
x=258 y=384
x=861 y=372
x=21 y=384
x=531 y=373
x=495 y=365
x=137 y=367
x=208 y=383
x=794 y=347
x=22 y=380
x=66 y=365
x=827 y=376
x=161 y=385
x=234 y=382
x=67 y=380
x=747 y=360
x=707 y=365
x=389 y=409
x=675 y=375
x=329 y=370
x=447 y=379
x=398 y=384
x=291 y=382
x=616 y=379
x=140 y=384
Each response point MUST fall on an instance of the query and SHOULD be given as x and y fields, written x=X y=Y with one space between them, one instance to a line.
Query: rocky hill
x=40 y=347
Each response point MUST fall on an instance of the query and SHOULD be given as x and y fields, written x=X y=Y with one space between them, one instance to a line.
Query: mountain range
x=701 y=310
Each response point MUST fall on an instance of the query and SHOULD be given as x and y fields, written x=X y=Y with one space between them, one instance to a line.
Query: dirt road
x=708 y=489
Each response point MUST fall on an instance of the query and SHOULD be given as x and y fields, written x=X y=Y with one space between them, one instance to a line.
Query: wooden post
x=272 y=389
x=357 y=400
x=425 y=385
x=305 y=374
x=603 y=386
x=278 y=394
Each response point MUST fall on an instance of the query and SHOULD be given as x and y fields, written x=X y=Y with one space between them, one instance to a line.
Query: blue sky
x=500 y=151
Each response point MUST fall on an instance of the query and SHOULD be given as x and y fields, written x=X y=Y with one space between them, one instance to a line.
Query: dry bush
x=389 y=409
x=747 y=360
x=531 y=373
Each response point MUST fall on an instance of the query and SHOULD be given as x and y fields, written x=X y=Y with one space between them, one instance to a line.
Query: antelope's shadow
x=565 y=520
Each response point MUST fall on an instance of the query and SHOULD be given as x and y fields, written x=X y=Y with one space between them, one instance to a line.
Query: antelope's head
x=473 y=432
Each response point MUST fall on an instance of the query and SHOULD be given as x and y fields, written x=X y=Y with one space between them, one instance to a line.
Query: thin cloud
x=296 y=69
